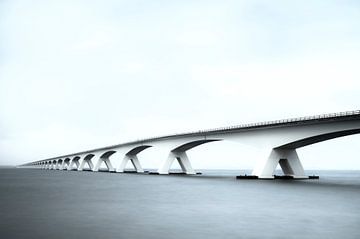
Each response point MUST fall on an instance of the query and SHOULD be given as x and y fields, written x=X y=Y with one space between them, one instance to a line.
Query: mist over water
x=70 y=204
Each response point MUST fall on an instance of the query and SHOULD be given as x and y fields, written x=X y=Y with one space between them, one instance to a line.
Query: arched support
x=53 y=165
x=65 y=164
x=60 y=164
x=105 y=158
x=179 y=153
x=132 y=157
x=289 y=163
x=86 y=160
x=135 y=162
x=57 y=165
x=183 y=160
x=74 y=161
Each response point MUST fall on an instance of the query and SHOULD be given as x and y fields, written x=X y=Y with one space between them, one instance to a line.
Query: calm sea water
x=61 y=204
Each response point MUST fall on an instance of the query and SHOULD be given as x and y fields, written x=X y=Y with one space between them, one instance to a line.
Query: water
x=61 y=204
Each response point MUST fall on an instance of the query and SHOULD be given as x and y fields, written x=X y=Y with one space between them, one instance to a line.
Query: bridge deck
x=340 y=116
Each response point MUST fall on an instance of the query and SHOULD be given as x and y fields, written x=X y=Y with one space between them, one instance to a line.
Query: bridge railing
x=264 y=123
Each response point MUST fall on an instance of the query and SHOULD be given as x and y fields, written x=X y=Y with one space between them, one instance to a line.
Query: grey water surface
x=69 y=204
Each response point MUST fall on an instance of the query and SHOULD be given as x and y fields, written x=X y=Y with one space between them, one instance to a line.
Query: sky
x=76 y=75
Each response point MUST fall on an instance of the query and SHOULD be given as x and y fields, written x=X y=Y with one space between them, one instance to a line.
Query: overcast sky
x=75 y=75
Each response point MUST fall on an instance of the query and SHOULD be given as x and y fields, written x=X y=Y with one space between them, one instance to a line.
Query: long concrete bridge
x=277 y=140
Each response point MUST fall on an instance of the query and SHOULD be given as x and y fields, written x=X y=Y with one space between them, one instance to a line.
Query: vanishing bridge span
x=277 y=140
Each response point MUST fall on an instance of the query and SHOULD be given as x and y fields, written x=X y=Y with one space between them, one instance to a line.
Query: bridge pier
x=104 y=158
x=57 y=165
x=107 y=163
x=52 y=166
x=86 y=160
x=131 y=155
x=61 y=164
x=66 y=164
x=182 y=159
x=289 y=163
x=135 y=162
x=179 y=153
x=76 y=162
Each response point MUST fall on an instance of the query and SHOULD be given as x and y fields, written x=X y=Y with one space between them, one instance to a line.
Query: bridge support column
x=289 y=163
x=76 y=162
x=183 y=160
x=58 y=165
x=86 y=161
x=107 y=162
x=62 y=165
x=135 y=162
x=66 y=164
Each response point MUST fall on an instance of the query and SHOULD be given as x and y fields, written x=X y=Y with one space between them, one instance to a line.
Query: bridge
x=276 y=140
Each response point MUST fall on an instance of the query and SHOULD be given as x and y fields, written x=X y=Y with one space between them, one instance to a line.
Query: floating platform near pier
x=286 y=177
x=247 y=177
x=181 y=173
